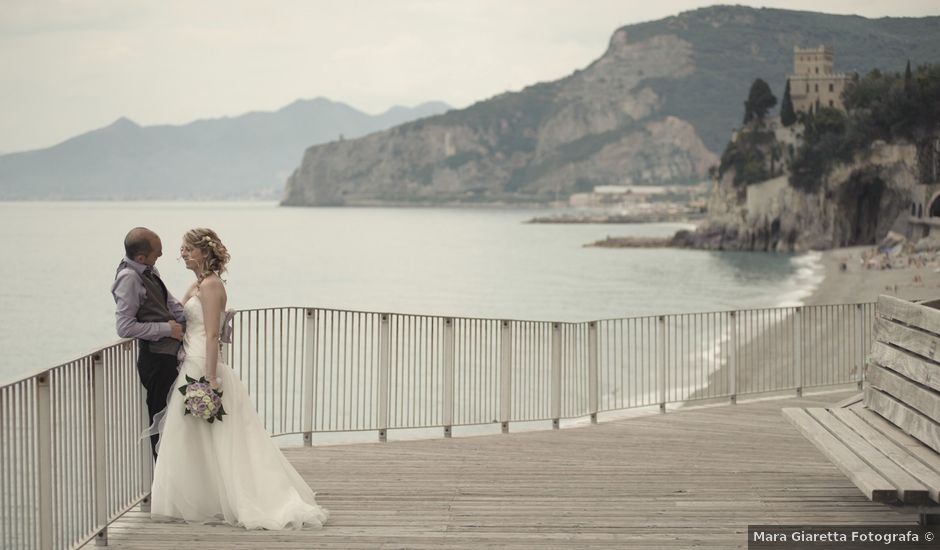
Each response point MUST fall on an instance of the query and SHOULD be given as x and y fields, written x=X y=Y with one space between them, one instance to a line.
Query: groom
x=147 y=311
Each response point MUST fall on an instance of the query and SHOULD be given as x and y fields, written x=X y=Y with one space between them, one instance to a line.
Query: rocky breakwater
x=632 y=242
x=601 y=125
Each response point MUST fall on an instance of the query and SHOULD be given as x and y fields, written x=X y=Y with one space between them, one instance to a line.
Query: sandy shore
x=846 y=280
x=856 y=283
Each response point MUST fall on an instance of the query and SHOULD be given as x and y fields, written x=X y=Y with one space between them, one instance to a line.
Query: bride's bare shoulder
x=212 y=285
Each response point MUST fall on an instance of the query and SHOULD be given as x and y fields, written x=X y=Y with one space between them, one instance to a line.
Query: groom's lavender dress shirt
x=129 y=293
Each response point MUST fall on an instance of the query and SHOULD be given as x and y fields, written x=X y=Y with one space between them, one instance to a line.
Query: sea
x=58 y=259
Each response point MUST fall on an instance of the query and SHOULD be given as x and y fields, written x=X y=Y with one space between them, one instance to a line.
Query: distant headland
x=656 y=108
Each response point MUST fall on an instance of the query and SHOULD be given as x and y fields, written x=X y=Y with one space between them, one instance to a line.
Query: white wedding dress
x=229 y=470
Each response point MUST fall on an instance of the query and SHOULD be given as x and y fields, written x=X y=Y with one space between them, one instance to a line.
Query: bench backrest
x=903 y=374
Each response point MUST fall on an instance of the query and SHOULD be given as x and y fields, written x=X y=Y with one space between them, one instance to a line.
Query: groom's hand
x=176 y=330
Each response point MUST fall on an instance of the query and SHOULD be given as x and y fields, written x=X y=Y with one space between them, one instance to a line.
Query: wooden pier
x=688 y=478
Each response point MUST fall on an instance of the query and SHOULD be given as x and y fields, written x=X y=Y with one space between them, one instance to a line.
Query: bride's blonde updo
x=216 y=255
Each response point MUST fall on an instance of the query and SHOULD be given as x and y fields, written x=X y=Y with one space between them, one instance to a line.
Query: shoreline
x=601 y=218
x=844 y=278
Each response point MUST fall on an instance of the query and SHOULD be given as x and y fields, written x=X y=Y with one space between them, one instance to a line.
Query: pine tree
x=787 y=115
x=908 y=79
x=759 y=101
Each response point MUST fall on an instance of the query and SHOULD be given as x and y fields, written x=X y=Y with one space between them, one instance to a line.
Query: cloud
x=70 y=66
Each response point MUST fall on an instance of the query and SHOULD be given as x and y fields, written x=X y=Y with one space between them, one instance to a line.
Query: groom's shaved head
x=139 y=242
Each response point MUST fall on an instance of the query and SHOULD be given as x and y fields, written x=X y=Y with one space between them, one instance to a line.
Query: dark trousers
x=157 y=373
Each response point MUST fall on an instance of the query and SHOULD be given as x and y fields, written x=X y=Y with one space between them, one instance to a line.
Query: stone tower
x=813 y=84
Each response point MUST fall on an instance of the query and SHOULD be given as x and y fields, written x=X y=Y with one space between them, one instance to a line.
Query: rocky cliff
x=857 y=203
x=654 y=108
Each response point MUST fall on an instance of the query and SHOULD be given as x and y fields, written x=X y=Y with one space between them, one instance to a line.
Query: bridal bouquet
x=201 y=400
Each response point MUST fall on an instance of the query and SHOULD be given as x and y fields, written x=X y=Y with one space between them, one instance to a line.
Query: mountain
x=244 y=156
x=656 y=107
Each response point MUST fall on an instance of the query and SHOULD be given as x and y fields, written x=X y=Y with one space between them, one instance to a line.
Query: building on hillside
x=610 y=195
x=813 y=84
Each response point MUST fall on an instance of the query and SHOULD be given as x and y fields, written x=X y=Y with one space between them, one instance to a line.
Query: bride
x=229 y=470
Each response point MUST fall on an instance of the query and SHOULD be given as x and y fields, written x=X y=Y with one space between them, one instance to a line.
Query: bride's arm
x=212 y=296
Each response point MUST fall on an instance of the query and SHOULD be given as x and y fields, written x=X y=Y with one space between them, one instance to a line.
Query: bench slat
x=856 y=399
x=910 y=491
x=875 y=487
x=909 y=313
x=910 y=444
x=899 y=455
x=913 y=395
x=911 y=366
x=904 y=417
x=913 y=340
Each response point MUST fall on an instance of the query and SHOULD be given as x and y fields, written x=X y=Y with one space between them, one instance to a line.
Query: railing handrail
x=25 y=377
x=318 y=370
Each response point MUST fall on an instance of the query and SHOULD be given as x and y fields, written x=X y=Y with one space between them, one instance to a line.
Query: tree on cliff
x=823 y=145
x=759 y=101
x=908 y=79
x=881 y=106
x=787 y=114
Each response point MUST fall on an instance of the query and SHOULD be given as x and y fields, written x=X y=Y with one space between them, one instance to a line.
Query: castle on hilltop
x=813 y=84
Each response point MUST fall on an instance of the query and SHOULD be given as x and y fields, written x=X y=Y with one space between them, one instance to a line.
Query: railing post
x=146 y=454
x=384 y=334
x=733 y=355
x=556 y=376
x=101 y=478
x=44 y=429
x=592 y=370
x=505 y=376
x=860 y=323
x=310 y=338
x=448 y=376
x=798 y=352
x=661 y=367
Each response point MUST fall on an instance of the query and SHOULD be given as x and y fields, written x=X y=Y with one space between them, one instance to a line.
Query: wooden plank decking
x=691 y=478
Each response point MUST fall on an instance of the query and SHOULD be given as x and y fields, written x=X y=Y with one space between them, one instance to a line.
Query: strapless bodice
x=194 y=339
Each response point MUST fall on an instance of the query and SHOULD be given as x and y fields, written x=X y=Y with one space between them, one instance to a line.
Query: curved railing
x=72 y=460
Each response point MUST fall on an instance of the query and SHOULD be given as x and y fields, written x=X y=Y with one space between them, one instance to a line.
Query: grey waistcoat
x=154 y=309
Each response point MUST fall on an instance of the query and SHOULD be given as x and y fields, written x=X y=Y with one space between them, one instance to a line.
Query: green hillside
x=656 y=108
x=733 y=45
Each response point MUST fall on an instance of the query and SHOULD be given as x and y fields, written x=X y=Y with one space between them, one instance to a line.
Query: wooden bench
x=887 y=440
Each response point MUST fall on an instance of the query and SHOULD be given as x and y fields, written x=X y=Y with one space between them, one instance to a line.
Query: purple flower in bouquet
x=201 y=401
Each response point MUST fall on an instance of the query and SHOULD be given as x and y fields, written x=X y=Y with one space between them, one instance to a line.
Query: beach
x=857 y=283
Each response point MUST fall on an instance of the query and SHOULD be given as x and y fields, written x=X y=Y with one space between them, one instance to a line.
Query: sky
x=70 y=66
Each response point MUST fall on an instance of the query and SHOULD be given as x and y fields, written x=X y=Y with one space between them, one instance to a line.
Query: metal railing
x=73 y=460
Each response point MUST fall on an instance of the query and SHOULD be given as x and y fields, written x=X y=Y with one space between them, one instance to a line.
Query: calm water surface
x=59 y=261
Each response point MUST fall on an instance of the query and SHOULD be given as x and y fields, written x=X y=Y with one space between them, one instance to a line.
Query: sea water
x=59 y=258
